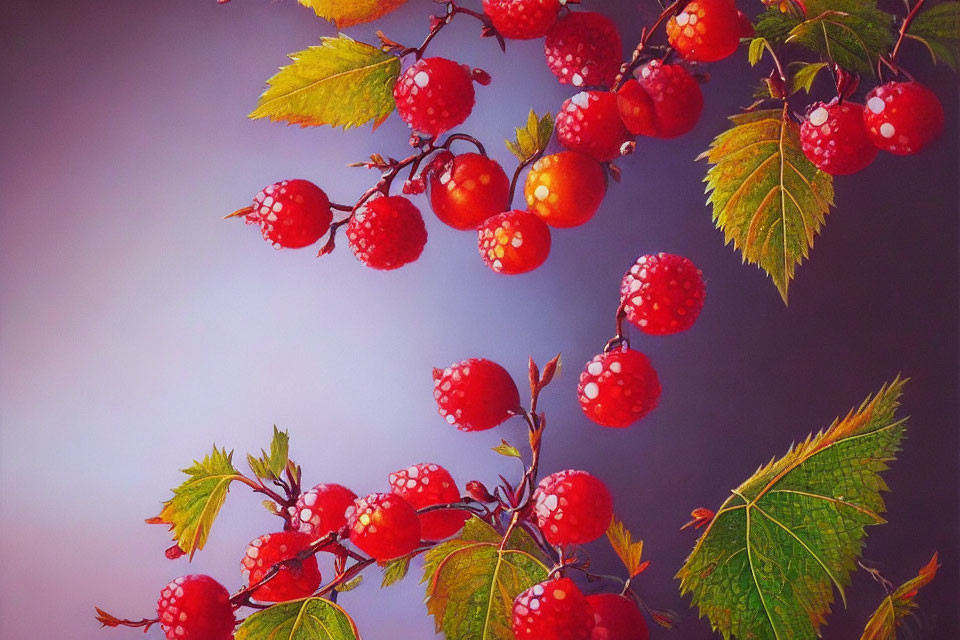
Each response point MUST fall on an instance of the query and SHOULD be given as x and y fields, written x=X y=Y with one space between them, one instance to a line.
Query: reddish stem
x=627 y=70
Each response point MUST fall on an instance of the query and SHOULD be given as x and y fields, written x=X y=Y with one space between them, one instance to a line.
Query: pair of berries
x=708 y=30
x=558 y=610
x=841 y=138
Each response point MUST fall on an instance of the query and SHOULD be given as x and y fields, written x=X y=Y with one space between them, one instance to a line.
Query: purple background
x=137 y=327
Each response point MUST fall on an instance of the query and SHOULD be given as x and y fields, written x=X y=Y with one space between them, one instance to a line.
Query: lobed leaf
x=271 y=465
x=532 y=138
x=755 y=50
x=307 y=619
x=891 y=613
x=851 y=33
x=341 y=83
x=804 y=76
x=938 y=29
x=630 y=552
x=196 y=502
x=766 y=566
x=347 y=13
x=768 y=198
x=471 y=582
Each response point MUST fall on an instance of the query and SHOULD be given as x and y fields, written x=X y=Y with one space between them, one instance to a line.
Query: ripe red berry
x=323 y=509
x=903 y=117
x=291 y=214
x=833 y=137
x=434 y=95
x=475 y=395
x=384 y=526
x=522 y=19
x=468 y=189
x=584 y=49
x=572 y=507
x=195 y=608
x=293 y=581
x=662 y=293
x=387 y=233
x=552 y=610
x=706 y=30
x=617 y=618
x=425 y=485
x=565 y=189
x=618 y=388
x=664 y=102
x=513 y=242
x=590 y=123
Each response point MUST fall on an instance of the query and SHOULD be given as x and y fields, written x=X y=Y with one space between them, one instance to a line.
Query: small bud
x=628 y=147
x=174 y=552
x=481 y=77
x=477 y=491
x=415 y=186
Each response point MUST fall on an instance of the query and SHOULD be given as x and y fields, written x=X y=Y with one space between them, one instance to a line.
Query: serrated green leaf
x=507 y=449
x=532 y=138
x=938 y=29
x=768 y=198
x=395 y=571
x=307 y=619
x=766 y=565
x=775 y=25
x=196 y=502
x=471 y=583
x=755 y=50
x=271 y=465
x=891 y=613
x=851 y=33
x=629 y=552
x=804 y=76
x=341 y=83
x=346 y=13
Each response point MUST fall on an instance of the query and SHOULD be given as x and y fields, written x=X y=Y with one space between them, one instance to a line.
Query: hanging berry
x=384 y=526
x=434 y=95
x=706 y=30
x=584 y=49
x=617 y=617
x=475 y=394
x=618 y=387
x=387 y=233
x=513 y=242
x=295 y=581
x=572 y=507
x=291 y=213
x=834 y=138
x=665 y=101
x=903 y=117
x=565 y=189
x=468 y=189
x=662 y=294
x=522 y=19
x=552 y=610
x=322 y=509
x=195 y=608
x=426 y=485
x=590 y=123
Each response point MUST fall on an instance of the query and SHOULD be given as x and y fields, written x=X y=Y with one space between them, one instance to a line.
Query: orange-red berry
x=322 y=509
x=522 y=19
x=665 y=101
x=384 y=525
x=513 y=242
x=467 y=189
x=565 y=189
x=903 y=117
x=590 y=123
x=475 y=394
x=706 y=30
x=426 y=485
x=834 y=138
x=296 y=580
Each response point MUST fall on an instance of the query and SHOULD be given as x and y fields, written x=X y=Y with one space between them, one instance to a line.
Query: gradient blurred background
x=137 y=328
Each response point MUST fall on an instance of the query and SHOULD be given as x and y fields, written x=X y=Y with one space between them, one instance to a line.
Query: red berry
x=425 y=485
x=293 y=581
x=903 y=117
x=387 y=233
x=572 y=507
x=475 y=395
x=434 y=95
x=323 y=509
x=833 y=137
x=522 y=19
x=565 y=189
x=291 y=214
x=384 y=525
x=618 y=388
x=706 y=30
x=584 y=49
x=617 y=618
x=195 y=608
x=662 y=293
x=552 y=610
x=513 y=242
x=590 y=123
x=468 y=189
x=664 y=102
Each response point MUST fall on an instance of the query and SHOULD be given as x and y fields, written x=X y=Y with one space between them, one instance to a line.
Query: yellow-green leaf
x=630 y=552
x=507 y=449
x=196 y=502
x=755 y=50
x=938 y=29
x=891 y=613
x=307 y=619
x=395 y=571
x=766 y=566
x=769 y=200
x=271 y=465
x=471 y=582
x=851 y=33
x=341 y=83
x=532 y=138
x=804 y=76
x=346 y=13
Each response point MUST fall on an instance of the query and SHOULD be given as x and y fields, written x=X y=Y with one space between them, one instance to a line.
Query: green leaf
x=774 y=25
x=891 y=613
x=630 y=552
x=196 y=502
x=341 y=83
x=307 y=619
x=755 y=50
x=507 y=449
x=351 y=584
x=804 y=76
x=851 y=33
x=938 y=28
x=532 y=138
x=767 y=197
x=271 y=465
x=471 y=583
x=395 y=571
x=766 y=565
x=346 y=13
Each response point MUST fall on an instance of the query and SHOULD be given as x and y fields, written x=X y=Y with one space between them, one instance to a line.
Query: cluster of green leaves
x=766 y=566
x=532 y=139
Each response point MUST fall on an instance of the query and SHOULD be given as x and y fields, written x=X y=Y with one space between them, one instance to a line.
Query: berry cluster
x=843 y=137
